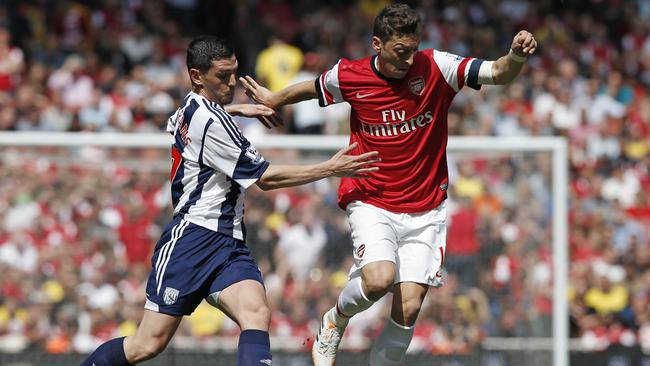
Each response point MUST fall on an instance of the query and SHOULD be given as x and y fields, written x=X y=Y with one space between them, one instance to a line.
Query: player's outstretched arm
x=507 y=67
x=292 y=94
x=264 y=114
x=340 y=165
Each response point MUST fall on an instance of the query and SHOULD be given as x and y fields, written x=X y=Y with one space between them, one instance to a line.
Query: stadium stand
x=76 y=236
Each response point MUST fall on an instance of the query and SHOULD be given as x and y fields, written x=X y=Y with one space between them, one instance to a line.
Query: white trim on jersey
x=485 y=73
x=329 y=86
x=217 y=164
x=452 y=65
x=332 y=83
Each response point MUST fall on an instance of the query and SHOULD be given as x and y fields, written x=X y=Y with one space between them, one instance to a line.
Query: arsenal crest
x=361 y=250
x=416 y=85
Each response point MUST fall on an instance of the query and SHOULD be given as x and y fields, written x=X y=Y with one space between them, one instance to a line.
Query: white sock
x=389 y=349
x=352 y=300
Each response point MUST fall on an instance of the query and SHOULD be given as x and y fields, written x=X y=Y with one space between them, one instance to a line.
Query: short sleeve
x=458 y=71
x=328 y=87
x=226 y=149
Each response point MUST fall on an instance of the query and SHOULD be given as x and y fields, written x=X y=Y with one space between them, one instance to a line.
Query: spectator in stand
x=301 y=241
x=278 y=64
x=461 y=256
x=11 y=62
x=306 y=118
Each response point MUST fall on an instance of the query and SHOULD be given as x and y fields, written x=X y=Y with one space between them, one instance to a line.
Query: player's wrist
x=233 y=109
x=517 y=58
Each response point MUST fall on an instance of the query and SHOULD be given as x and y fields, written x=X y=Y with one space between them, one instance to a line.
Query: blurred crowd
x=78 y=225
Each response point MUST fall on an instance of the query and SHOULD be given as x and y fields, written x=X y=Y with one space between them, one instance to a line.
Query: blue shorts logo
x=170 y=296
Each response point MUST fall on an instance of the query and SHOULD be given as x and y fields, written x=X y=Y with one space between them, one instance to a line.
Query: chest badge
x=416 y=85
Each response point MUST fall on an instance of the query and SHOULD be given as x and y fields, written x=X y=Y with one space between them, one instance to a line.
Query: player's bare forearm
x=505 y=70
x=264 y=114
x=295 y=93
x=292 y=94
x=507 y=67
x=282 y=176
x=339 y=165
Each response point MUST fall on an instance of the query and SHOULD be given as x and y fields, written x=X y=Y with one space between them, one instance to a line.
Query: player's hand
x=256 y=92
x=353 y=166
x=264 y=114
x=524 y=44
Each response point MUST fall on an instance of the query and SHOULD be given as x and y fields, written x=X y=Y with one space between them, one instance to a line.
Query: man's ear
x=376 y=44
x=196 y=76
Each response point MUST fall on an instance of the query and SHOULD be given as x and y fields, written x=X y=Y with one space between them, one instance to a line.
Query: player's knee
x=377 y=285
x=257 y=316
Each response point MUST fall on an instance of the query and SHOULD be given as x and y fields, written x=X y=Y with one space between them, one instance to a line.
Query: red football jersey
x=405 y=120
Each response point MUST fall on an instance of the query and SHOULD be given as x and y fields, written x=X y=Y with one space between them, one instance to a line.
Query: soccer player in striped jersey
x=202 y=253
x=399 y=98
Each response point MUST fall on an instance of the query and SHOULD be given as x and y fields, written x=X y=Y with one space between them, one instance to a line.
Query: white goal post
x=557 y=146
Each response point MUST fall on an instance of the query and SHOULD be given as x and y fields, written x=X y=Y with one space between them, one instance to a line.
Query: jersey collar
x=373 y=66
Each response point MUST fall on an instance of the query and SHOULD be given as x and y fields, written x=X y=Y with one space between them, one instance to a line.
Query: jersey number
x=177 y=158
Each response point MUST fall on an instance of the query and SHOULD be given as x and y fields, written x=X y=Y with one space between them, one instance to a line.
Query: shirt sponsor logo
x=416 y=85
x=398 y=127
x=170 y=296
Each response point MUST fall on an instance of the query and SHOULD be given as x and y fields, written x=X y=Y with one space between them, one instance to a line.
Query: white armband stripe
x=485 y=73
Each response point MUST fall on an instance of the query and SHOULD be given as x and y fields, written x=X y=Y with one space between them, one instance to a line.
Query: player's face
x=395 y=56
x=219 y=81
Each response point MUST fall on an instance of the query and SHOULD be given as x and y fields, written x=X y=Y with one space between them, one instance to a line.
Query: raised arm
x=292 y=94
x=264 y=114
x=339 y=165
x=507 y=67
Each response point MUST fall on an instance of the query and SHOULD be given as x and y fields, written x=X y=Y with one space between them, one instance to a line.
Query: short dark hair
x=203 y=50
x=396 y=19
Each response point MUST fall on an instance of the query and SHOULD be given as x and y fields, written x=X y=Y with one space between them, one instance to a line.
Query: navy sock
x=254 y=348
x=110 y=353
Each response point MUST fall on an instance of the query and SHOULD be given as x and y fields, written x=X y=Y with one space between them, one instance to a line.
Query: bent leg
x=246 y=303
x=153 y=334
x=152 y=337
x=391 y=346
x=361 y=292
x=378 y=278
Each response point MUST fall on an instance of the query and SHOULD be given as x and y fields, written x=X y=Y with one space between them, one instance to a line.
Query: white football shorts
x=414 y=242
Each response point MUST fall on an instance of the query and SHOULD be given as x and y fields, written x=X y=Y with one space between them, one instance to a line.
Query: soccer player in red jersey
x=399 y=97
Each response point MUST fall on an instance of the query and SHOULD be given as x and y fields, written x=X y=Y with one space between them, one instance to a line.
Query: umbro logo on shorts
x=360 y=250
x=266 y=362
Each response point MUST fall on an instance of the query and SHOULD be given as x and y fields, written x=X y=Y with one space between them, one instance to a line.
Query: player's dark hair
x=396 y=19
x=205 y=49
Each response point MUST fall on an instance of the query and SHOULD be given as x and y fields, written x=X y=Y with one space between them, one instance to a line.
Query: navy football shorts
x=191 y=263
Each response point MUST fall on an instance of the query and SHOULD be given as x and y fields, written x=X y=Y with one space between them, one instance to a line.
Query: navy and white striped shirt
x=212 y=165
